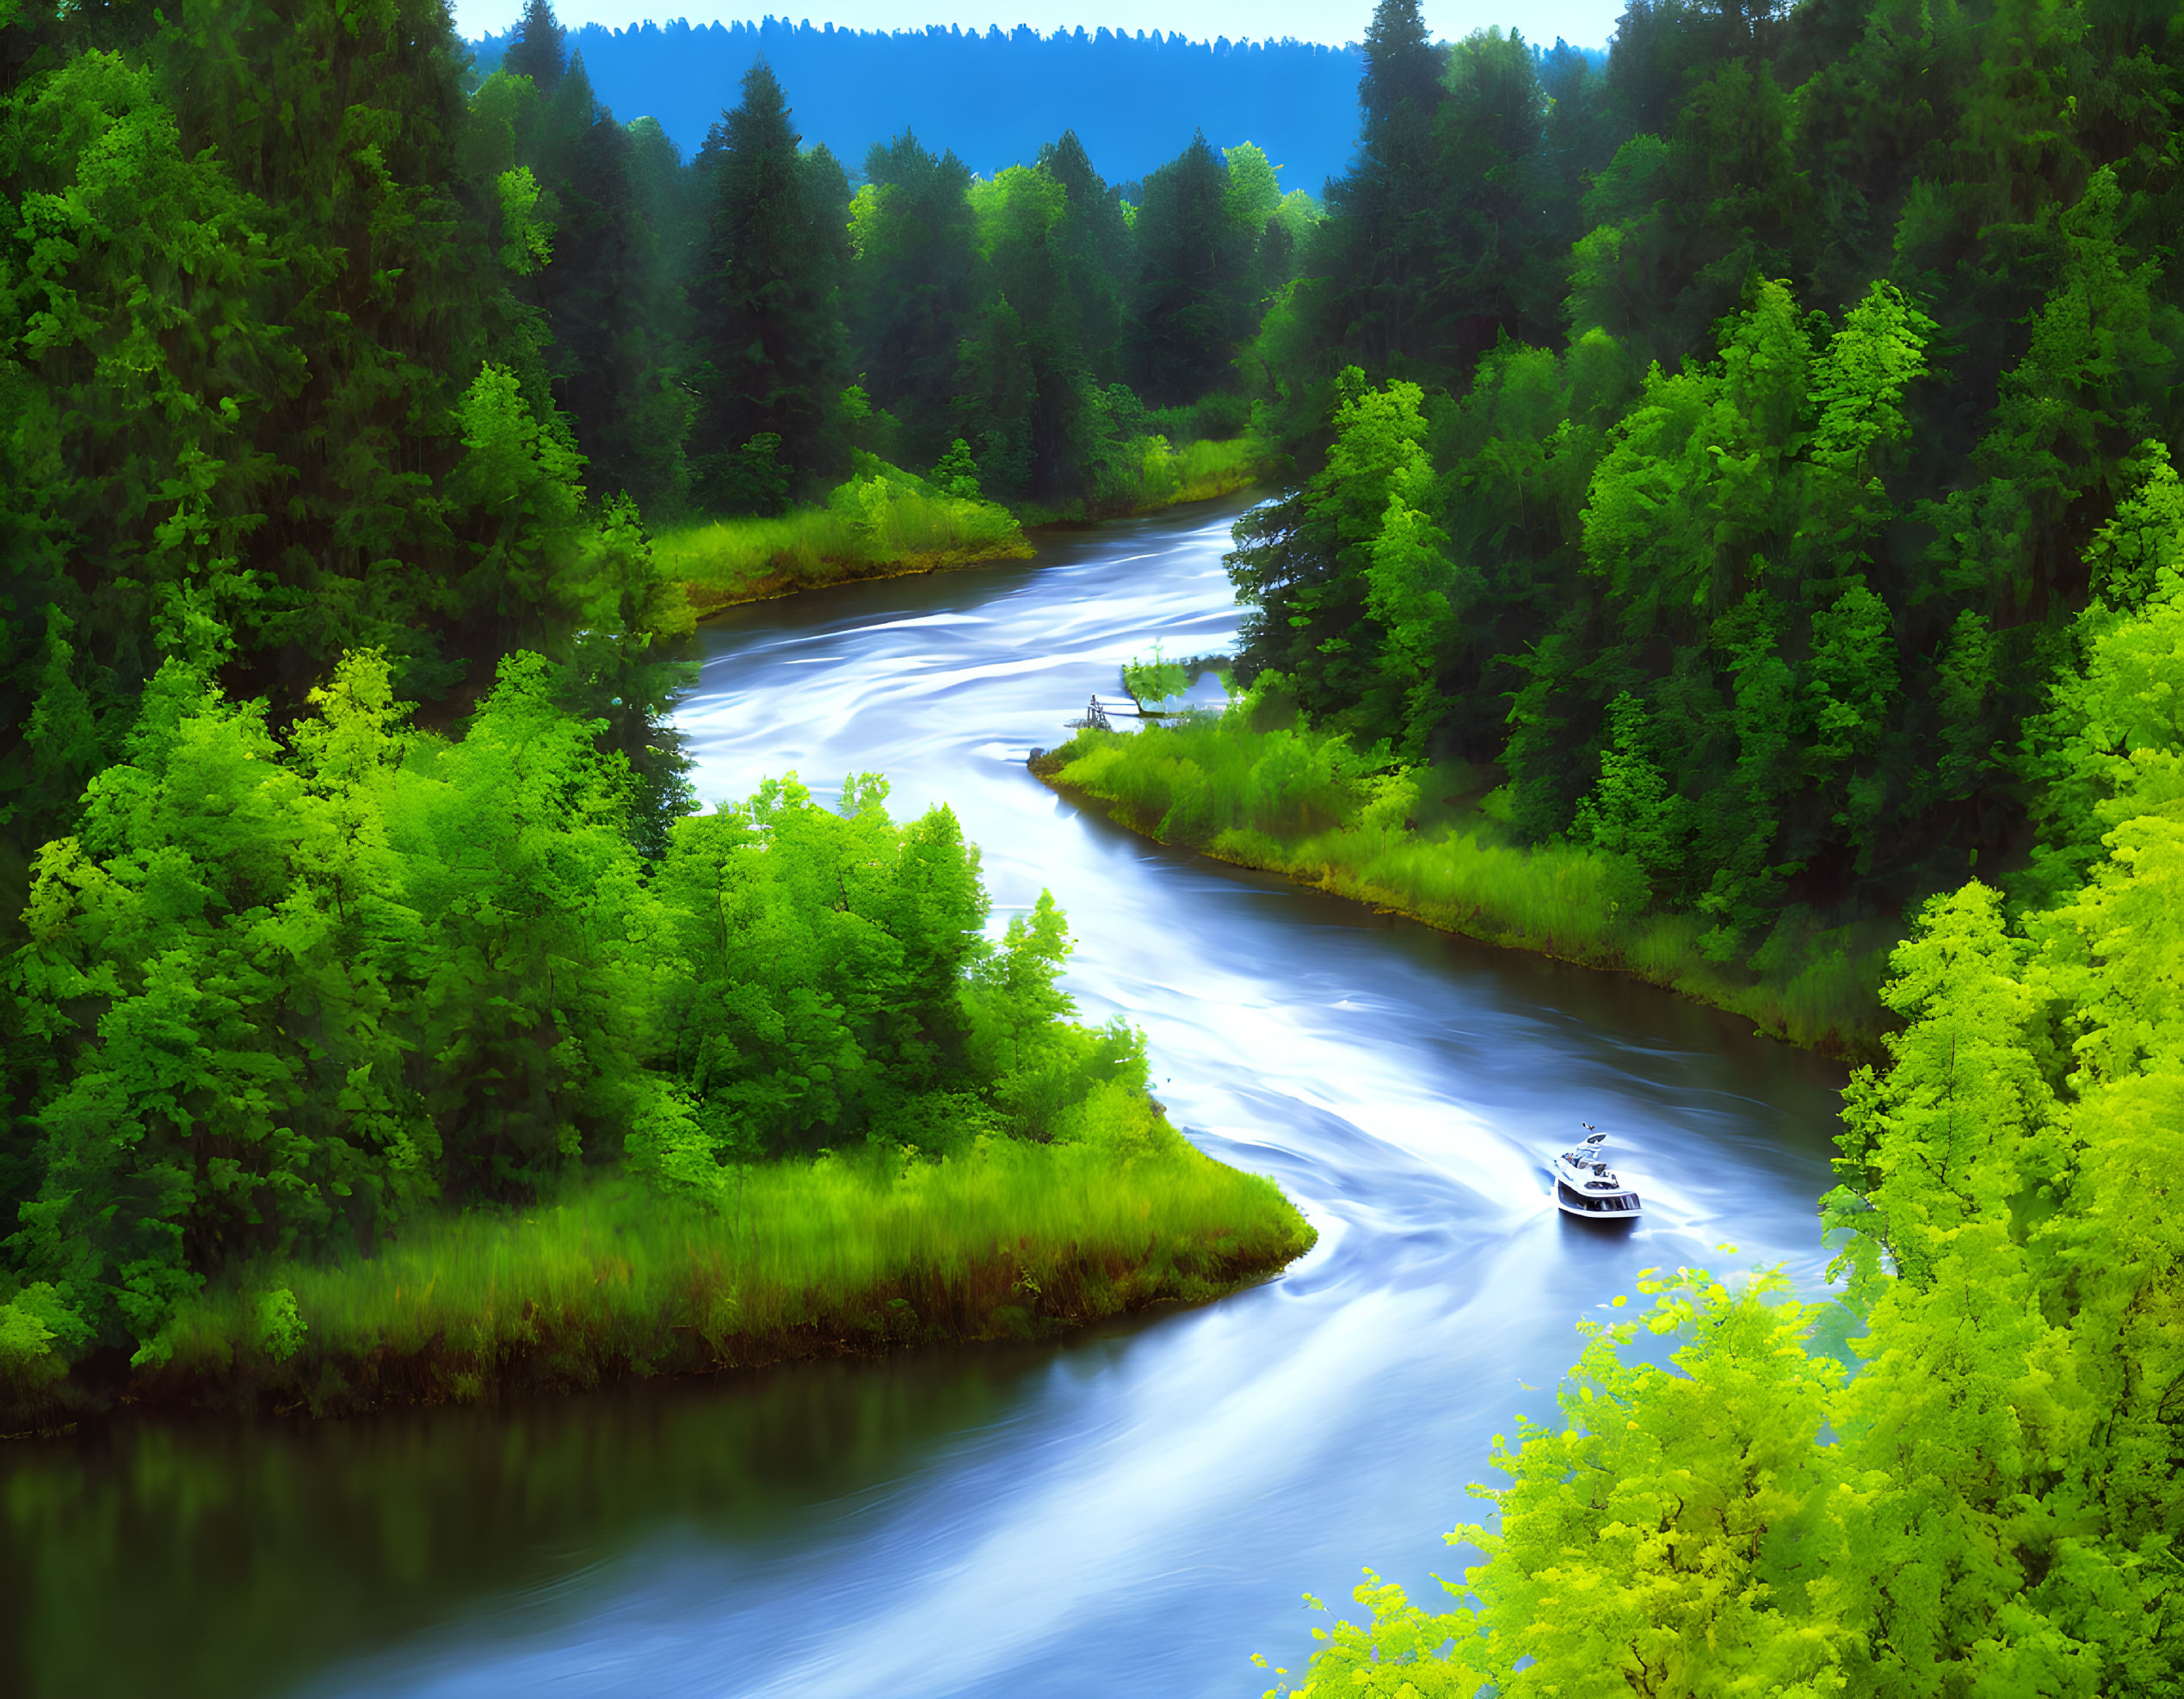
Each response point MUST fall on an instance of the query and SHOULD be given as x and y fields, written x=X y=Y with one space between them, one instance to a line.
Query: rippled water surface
x=1133 y=1510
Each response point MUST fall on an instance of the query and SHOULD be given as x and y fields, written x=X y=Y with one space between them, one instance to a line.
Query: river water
x=1135 y=1510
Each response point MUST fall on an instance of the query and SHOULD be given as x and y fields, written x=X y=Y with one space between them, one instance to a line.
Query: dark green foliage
x=1194 y=279
x=1037 y=396
x=751 y=479
x=335 y=377
x=141 y=374
x=243 y=330
x=540 y=48
x=915 y=287
x=610 y=302
x=1756 y=406
x=1380 y=259
x=768 y=303
x=274 y=997
x=1095 y=253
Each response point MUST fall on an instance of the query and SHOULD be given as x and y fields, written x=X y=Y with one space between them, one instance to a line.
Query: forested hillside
x=1134 y=99
x=418 y=360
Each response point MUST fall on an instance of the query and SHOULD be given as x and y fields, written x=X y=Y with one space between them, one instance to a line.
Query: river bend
x=1134 y=1510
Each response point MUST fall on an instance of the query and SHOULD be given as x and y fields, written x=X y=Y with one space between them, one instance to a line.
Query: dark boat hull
x=1613 y=1207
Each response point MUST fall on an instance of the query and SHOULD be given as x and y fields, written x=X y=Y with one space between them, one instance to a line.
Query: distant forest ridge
x=1134 y=101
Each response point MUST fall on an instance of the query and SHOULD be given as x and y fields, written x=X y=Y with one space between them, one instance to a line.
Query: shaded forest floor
x=796 y=1260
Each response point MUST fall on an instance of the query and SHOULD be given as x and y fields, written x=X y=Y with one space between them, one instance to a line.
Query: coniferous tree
x=1193 y=279
x=1381 y=266
x=376 y=283
x=1503 y=246
x=610 y=304
x=540 y=48
x=768 y=307
x=1096 y=253
x=913 y=294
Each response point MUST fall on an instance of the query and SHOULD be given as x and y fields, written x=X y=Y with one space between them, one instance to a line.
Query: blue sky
x=1582 y=22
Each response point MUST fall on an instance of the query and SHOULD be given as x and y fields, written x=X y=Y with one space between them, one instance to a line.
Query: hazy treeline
x=726 y=333
x=992 y=97
x=1716 y=442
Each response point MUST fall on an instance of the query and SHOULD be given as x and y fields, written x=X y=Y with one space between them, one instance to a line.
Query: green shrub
x=1152 y=682
x=1215 y=417
x=40 y=1332
x=281 y=1325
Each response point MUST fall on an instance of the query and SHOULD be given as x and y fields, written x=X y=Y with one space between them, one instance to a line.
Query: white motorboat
x=1586 y=1187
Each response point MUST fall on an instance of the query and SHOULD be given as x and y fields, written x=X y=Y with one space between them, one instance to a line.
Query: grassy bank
x=1427 y=843
x=1008 y=1240
x=886 y=523
x=1158 y=476
x=862 y=533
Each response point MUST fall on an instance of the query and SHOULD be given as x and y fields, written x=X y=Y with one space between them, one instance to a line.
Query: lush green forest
x=1757 y=460
x=349 y=867
x=1723 y=446
x=421 y=362
x=1961 y=1476
x=1733 y=485
x=1699 y=470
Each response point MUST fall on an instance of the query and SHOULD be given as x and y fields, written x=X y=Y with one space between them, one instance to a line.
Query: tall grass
x=1010 y=1240
x=901 y=527
x=1304 y=804
x=885 y=521
x=1156 y=475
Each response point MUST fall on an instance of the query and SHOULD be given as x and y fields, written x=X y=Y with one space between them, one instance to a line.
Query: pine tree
x=1401 y=69
x=539 y=49
x=1096 y=253
x=1194 y=273
x=914 y=285
x=1379 y=254
x=610 y=304
x=769 y=306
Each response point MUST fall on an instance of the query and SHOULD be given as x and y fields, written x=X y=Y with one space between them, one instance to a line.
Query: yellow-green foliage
x=880 y=520
x=1243 y=787
x=1002 y=1239
x=1657 y=1542
x=1195 y=472
x=1989 y=1505
x=39 y=1332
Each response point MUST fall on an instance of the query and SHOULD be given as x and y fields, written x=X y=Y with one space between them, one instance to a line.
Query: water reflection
x=1138 y=1510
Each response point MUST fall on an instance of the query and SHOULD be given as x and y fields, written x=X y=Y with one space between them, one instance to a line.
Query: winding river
x=1135 y=1510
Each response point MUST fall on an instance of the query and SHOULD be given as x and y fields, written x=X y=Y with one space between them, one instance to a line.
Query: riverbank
x=886 y=523
x=1427 y=844
x=1163 y=477
x=720 y=563
x=803 y=1259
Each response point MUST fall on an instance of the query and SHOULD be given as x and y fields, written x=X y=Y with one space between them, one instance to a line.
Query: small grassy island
x=1005 y=1239
x=384 y=1066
